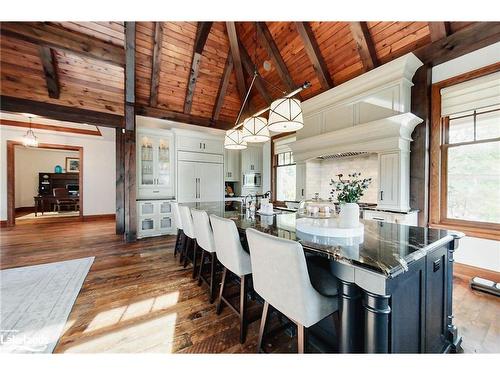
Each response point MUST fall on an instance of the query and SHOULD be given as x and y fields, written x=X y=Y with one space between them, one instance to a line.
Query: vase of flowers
x=348 y=194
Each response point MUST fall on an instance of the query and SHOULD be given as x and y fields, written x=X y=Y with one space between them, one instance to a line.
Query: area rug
x=35 y=303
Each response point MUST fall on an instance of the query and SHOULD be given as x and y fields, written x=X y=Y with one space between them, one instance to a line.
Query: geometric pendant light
x=234 y=140
x=285 y=115
x=255 y=129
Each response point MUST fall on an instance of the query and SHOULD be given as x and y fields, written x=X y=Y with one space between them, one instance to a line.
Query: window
x=470 y=162
x=285 y=176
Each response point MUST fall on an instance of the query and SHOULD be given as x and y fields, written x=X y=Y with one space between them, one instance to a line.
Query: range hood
x=388 y=134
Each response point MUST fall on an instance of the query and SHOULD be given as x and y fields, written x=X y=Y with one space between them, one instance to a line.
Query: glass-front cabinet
x=155 y=218
x=155 y=167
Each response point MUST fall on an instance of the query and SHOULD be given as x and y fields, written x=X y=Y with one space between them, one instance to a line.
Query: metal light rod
x=304 y=86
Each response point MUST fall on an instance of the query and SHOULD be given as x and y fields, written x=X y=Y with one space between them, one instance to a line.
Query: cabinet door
x=211 y=183
x=146 y=209
x=146 y=162
x=389 y=178
x=147 y=226
x=300 y=192
x=163 y=163
x=187 y=185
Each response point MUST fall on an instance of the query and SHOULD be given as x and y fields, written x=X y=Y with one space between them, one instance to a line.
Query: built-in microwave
x=252 y=179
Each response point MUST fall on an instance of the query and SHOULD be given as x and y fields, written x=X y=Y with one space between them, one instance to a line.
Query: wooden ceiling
x=198 y=72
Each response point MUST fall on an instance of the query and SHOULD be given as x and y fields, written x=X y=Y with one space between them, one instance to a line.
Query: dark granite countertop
x=383 y=247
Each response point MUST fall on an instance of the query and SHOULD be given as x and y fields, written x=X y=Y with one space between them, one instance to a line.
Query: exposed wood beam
x=59 y=38
x=364 y=45
x=129 y=149
x=235 y=53
x=181 y=117
x=223 y=85
x=457 y=44
x=155 y=68
x=48 y=58
x=249 y=67
x=60 y=112
x=55 y=128
x=312 y=50
x=438 y=30
x=201 y=38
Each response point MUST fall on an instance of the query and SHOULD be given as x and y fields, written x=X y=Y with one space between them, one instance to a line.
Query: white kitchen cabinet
x=394 y=177
x=251 y=160
x=199 y=181
x=406 y=218
x=200 y=144
x=155 y=164
x=232 y=165
x=155 y=218
x=300 y=192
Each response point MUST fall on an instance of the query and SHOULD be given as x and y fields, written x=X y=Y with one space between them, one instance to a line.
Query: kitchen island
x=396 y=281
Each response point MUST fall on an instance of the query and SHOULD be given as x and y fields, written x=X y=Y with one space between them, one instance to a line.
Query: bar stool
x=188 y=228
x=281 y=278
x=234 y=259
x=180 y=239
x=205 y=241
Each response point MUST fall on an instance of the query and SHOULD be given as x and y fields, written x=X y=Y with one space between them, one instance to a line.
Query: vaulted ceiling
x=198 y=72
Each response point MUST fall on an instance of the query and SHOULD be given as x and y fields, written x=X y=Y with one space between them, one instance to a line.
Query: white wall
x=476 y=252
x=98 y=166
x=29 y=162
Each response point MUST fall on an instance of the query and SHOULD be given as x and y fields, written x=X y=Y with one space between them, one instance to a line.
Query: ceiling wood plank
x=48 y=58
x=156 y=63
x=201 y=38
x=249 y=68
x=438 y=30
x=466 y=40
x=59 y=38
x=181 y=117
x=223 y=85
x=60 y=112
x=235 y=53
x=312 y=50
x=274 y=53
x=364 y=45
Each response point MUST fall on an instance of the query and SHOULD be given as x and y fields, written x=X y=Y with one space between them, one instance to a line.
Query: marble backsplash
x=320 y=172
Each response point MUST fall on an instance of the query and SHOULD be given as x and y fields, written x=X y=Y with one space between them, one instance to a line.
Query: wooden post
x=120 y=182
x=128 y=151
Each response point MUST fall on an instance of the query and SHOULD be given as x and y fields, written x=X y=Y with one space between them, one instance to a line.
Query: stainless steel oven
x=252 y=179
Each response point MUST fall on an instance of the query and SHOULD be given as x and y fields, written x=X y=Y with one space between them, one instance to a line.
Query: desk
x=395 y=281
x=46 y=202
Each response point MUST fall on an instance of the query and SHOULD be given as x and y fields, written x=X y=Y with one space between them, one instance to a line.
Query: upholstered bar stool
x=234 y=259
x=188 y=228
x=281 y=278
x=180 y=239
x=205 y=241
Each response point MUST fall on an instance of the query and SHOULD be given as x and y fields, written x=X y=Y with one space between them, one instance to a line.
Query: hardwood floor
x=136 y=297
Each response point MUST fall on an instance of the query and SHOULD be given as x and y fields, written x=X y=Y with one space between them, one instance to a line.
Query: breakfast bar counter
x=396 y=286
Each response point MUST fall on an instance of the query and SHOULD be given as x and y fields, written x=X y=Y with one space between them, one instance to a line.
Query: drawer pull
x=378 y=218
x=156 y=191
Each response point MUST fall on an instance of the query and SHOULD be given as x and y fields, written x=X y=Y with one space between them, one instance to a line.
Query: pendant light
x=234 y=140
x=255 y=130
x=285 y=115
x=30 y=139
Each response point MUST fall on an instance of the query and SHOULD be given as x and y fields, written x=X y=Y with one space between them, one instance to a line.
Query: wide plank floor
x=136 y=297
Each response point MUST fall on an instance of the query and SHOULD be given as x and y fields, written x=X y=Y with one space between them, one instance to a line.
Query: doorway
x=69 y=201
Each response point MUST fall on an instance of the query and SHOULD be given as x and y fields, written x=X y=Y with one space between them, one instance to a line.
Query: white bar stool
x=281 y=278
x=188 y=228
x=180 y=239
x=205 y=240
x=235 y=259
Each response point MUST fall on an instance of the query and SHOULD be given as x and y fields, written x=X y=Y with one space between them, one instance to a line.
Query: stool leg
x=302 y=338
x=262 y=328
x=177 y=242
x=195 y=251
x=201 y=266
x=186 y=249
x=213 y=263
x=218 y=309
x=183 y=248
x=243 y=302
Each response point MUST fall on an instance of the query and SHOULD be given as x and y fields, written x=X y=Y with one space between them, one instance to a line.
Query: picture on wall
x=72 y=164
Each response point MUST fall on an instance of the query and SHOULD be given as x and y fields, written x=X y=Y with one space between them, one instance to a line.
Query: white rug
x=35 y=303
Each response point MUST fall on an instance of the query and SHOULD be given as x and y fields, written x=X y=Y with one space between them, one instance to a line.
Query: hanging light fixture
x=30 y=139
x=285 y=115
x=255 y=129
x=234 y=140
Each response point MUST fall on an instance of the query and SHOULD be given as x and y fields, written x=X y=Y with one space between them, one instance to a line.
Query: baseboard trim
x=25 y=209
x=99 y=217
x=3 y=224
x=460 y=269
